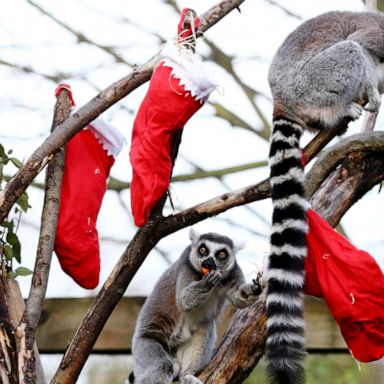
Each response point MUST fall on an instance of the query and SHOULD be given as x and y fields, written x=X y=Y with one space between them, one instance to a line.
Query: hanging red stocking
x=89 y=157
x=352 y=285
x=178 y=88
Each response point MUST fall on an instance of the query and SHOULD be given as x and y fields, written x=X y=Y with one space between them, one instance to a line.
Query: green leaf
x=13 y=240
x=22 y=202
x=7 y=224
x=10 y=152
x=8 y=252
x=2 y=151
x=11 y=275
x=23 y=271
x=16 y=162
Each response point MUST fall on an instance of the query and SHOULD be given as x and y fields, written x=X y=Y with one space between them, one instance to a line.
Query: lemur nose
x=209 y=263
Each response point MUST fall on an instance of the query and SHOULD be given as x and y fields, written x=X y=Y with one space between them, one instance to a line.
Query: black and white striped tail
x=285 y=349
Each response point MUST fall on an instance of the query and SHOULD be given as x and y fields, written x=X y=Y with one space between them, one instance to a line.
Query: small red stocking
x=178 y=88
x=89 y=157
x=352 y=285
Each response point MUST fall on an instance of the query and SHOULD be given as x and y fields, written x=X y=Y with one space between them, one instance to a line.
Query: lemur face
x=211 y=251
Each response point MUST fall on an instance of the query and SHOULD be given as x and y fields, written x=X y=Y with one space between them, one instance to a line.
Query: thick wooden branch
x=8 y=349
x=30 y=319
x=240 y=349
x=332 y=157
x=358 y=173
x=11 y=338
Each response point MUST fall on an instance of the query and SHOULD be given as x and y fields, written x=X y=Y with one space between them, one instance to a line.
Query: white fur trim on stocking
x=108 y=136
x=189 y=69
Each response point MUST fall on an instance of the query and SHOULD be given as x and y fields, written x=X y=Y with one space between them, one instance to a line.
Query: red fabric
x=352 y=285
x=68 y=88
x=303 y=158
x=166 y=108
x=86 y=169
x=188 y=31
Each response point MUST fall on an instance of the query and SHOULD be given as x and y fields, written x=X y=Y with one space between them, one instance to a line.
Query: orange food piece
x=205 y=271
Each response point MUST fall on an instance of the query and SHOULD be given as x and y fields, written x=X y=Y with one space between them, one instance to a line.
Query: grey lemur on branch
x=322 y=76
x=175 y=332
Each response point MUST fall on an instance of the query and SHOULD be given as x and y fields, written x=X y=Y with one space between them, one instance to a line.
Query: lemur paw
x=190 y=379
x=372 y=107
x=256 y=287
x=212 y=278
x=354 y=111
x=374 y=101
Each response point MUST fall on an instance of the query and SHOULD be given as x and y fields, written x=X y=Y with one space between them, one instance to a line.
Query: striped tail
x=285 y=348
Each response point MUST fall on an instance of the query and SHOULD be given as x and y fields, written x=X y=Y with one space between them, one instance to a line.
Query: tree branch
x=331 y=158
x=32 y=313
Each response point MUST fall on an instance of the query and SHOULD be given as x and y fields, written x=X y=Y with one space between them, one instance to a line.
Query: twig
x=32 y=313
x=80 y=36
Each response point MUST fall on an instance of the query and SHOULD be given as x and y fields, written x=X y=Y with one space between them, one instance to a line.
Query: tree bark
x=11 y=310
x=27 y=328
x=8 y=349
x=334 y=156
x=241 y=347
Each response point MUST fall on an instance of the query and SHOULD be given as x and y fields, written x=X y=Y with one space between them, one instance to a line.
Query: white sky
x=29 y=39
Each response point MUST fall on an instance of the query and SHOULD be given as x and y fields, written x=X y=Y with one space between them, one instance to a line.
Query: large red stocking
x=178 y=88
x=352 y=285
x=89 y=157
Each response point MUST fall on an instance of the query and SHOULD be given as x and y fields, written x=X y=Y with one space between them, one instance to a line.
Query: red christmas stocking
x=89 y=157
x=178 y=88
x=352 y=285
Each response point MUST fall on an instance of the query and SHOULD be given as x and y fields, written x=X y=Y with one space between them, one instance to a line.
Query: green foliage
x=10 y=247
x=329 y=368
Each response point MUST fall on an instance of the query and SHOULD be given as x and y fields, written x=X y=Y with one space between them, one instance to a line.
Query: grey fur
x=175 y=332
x=327 y=65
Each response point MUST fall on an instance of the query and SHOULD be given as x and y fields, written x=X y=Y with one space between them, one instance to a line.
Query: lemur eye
x=203 y=250
x=222 y=254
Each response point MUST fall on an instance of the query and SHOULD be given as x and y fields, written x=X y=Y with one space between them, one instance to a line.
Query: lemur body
x=321 y=77
x=175 y=332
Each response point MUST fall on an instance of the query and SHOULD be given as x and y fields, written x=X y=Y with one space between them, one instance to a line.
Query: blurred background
x=91 y=44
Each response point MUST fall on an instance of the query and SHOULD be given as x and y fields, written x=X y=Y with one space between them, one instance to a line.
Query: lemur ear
x=238 y=246
x=194 y=235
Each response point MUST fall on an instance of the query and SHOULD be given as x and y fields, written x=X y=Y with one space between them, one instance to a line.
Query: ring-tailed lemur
x=175 y=331
x=321 y=77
